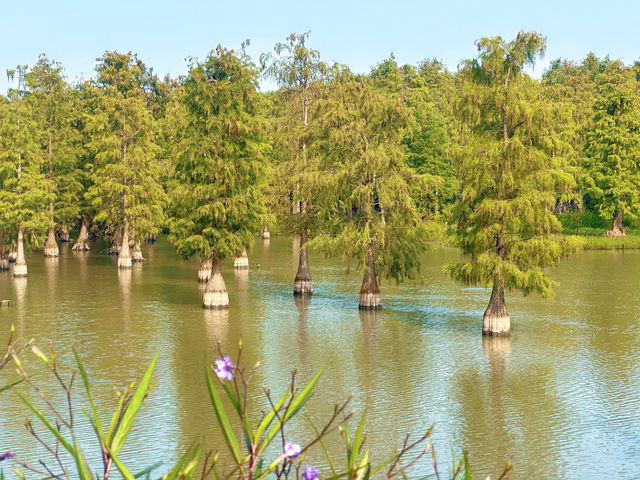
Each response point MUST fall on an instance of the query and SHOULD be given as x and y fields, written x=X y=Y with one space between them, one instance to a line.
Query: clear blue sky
x=356 y=33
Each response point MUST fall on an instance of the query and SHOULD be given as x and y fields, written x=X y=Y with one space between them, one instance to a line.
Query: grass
x=600 y=242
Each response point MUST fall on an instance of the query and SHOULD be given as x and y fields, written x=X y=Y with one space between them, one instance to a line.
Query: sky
x=357 y=33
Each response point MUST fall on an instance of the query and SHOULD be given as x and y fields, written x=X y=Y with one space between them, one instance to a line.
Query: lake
x=561 y=397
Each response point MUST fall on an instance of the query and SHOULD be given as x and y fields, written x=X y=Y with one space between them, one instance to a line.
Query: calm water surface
x=561 y=397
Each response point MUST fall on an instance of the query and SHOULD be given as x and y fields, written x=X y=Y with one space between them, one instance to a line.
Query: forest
x=517 y=172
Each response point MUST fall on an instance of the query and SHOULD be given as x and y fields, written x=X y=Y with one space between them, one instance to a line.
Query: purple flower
x=224 y=368
x=310 y=473
x=291 y=450
x=6 y=456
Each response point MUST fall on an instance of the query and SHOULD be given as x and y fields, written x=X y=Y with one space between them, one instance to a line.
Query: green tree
x=299 y=70
x=504 y=220
x=25 y=191
x=569 y=88
x=364 y=186
x=218 y=164
x=126 y=191
x=56 y=130
x=613 y=147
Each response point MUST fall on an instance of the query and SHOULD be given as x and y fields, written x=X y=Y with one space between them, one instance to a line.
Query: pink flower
x=224 y=368
x=291 y=450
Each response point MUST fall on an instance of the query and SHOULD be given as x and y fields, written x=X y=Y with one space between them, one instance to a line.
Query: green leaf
x=187 y=462
x=85 y=380
x=147 y=470
x=120 y=435
x=223 y=420
x=354 y=449
x=63 y=441
x=268 y=418
x=123 y=470
x=294 y=407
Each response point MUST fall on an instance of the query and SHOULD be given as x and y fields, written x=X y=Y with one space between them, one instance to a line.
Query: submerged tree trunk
x=369 y=291
x=4 y=258
x=204 y=271
x=242 y=260
x=124 y=257
x=20 y=268
x=215 y=293
x=303 y=285
x=265 y=233
x=496 y=320
x=137 y=252
x=63 y=234
x=617 y=230
x=151 y=238
x=50 y=245
x=82 y=242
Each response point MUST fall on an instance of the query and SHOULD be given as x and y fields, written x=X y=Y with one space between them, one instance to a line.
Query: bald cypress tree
x=613 y=147
x=126 y=192
x=300 y=72
x=504 y=221
x=24 y=189
x=59 y=139
x=364 y=186
x=218 y=164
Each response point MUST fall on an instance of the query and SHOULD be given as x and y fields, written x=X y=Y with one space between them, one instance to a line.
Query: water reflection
x=560 y=396
x=242 y=277
x=217 y=325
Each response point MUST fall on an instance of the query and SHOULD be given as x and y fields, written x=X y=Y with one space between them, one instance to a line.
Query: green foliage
x=218 y=159
x=597 y=241
x=613 y=144
x=505 y=223
x=301 y=73
x=57 y=115
x=24 y=190
x=364 y=186
x=126 y=189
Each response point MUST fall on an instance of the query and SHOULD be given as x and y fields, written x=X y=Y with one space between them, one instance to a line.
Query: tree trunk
x=115 y=246
x=4 y=258
x=303 y=285
x=20 y=269
x=496 y=320
x=215 y=293
x=137 y=252
x=204 y=271
x=369 y=291
x=82 y=242
x=265 y=233
x=617 y=230
x=124 y=257
x=151 y=238
x=50 y=245
x=63 y=234
x=242 y=260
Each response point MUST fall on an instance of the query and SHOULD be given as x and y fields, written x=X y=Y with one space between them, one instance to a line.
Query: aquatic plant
x=252 y=459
